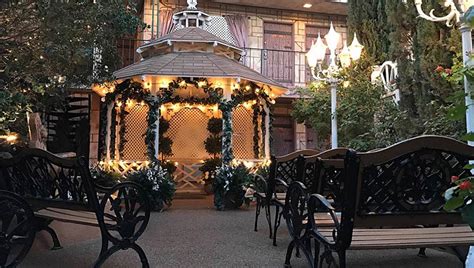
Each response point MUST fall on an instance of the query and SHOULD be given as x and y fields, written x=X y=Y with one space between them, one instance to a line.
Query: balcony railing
x=286 y=67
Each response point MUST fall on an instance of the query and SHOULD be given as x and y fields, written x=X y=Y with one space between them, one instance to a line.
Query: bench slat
x=408 y=238
x=71 y=216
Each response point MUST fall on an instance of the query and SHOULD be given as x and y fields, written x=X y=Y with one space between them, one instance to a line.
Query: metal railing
x=284 y=66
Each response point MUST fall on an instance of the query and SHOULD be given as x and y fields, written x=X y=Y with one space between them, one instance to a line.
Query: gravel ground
x=192 y=234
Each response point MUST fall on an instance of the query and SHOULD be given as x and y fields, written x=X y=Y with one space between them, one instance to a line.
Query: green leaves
x=454 y=203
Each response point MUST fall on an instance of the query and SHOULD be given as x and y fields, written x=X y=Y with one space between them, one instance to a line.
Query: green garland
x=102 y=131
x=150 y=135
x=122 y=130
x=263 y=126
x=112 y=132
x=256 y=137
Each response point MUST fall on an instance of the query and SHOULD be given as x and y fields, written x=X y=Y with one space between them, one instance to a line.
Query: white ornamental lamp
x=355 y=48
x=332 y=39
x=345 y=56
x=316 y=53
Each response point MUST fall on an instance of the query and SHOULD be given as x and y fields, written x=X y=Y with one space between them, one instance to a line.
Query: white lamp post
x=315 y=58
x=456 y=11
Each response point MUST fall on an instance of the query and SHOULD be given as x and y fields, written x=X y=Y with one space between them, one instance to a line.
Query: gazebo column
x=108 y=125
x=267 y=130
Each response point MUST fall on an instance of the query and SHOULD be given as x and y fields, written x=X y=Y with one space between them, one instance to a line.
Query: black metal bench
x=53 y=188
x=392 y=198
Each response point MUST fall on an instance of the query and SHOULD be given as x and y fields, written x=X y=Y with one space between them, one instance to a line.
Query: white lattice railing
x=123 y=167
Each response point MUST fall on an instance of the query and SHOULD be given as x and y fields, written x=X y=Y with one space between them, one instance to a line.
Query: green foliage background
x=47 y=47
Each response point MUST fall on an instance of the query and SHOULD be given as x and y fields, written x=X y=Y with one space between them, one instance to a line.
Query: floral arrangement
x=155 y=179
x=461 y=197
x=157 y=182
x=234 y=180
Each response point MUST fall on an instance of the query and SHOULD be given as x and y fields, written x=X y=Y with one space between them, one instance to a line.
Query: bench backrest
x=408 y=180
x=47 y=180
x=400 y=186
x=326 y=182
x=287 y=168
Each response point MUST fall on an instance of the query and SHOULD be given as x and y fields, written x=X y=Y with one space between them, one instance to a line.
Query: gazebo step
x=190 y=194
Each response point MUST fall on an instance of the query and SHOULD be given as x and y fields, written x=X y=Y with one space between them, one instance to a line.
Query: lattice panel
x=188 y=133
x=218 y=26
x=188 y=178
x=136 y=126
x=242 y=139
x=413 y=182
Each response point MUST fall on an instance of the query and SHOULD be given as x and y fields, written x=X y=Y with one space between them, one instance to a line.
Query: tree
x=365 y=119
x=48 y=47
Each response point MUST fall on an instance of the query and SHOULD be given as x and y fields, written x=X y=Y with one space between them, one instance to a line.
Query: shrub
x=104 y=177
x=157 y=183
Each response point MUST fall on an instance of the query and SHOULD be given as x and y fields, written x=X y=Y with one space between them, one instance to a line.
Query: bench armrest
x=260 y=184
x=318 y=203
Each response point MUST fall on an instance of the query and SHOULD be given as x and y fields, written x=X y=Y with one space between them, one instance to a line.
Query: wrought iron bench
x=271 y=191
x=392 y=198
x=53 y=188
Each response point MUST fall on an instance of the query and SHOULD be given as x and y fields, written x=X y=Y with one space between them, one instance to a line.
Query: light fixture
x=316 y=53
x=345 y=56
x=355 y=48
x=332 y=38
x=307 y=5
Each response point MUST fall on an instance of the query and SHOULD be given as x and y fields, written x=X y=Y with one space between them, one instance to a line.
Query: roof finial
x=192 y=4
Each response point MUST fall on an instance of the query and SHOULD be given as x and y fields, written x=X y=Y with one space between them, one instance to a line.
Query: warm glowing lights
x=183 y=83
x=10 y=138
x=201 y=84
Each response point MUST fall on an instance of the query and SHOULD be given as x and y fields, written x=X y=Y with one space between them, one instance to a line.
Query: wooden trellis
x=136 y=126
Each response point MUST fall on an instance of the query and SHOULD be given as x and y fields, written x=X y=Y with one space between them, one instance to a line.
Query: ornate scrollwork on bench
x=413 y=182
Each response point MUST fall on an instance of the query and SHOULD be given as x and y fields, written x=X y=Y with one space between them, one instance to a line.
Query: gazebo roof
x=194 y=64
x=188 y=35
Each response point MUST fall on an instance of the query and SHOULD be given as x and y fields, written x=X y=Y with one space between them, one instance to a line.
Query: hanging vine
x=256 y=136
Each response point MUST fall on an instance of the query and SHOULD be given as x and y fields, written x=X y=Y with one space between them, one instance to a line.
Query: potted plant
x=157 y=182
x=213 y=146
x=234 y=180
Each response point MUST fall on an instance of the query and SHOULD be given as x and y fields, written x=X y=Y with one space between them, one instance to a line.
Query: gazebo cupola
x=185 y=81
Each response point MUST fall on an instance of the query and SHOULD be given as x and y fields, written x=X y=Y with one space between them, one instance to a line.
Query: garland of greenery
x=256 y=137
x=102 y=130
x=264 y=129
x=150 y=135
x=270 y=130
x=122 y=130
x=112 y=132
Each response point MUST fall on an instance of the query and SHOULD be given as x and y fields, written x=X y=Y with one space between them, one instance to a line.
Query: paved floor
x=192 y=234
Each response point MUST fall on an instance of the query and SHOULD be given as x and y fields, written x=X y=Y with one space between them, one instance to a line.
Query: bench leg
x=43 y=225
x=422 y=253
x=54 y=236
x=461 y=252
x=257 y=213
x=342 y=258
x=141 y=254
x=269 y=217
x=277 y=223
x=289 y=252
x=316 y=253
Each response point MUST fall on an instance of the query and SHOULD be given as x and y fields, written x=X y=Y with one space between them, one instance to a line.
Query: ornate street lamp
x=457 y=9
x=316 y=56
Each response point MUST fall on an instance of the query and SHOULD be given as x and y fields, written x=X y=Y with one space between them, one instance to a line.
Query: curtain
x=238 y=26
x=166 y=21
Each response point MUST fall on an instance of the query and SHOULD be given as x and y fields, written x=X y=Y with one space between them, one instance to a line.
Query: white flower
x=449 y=193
